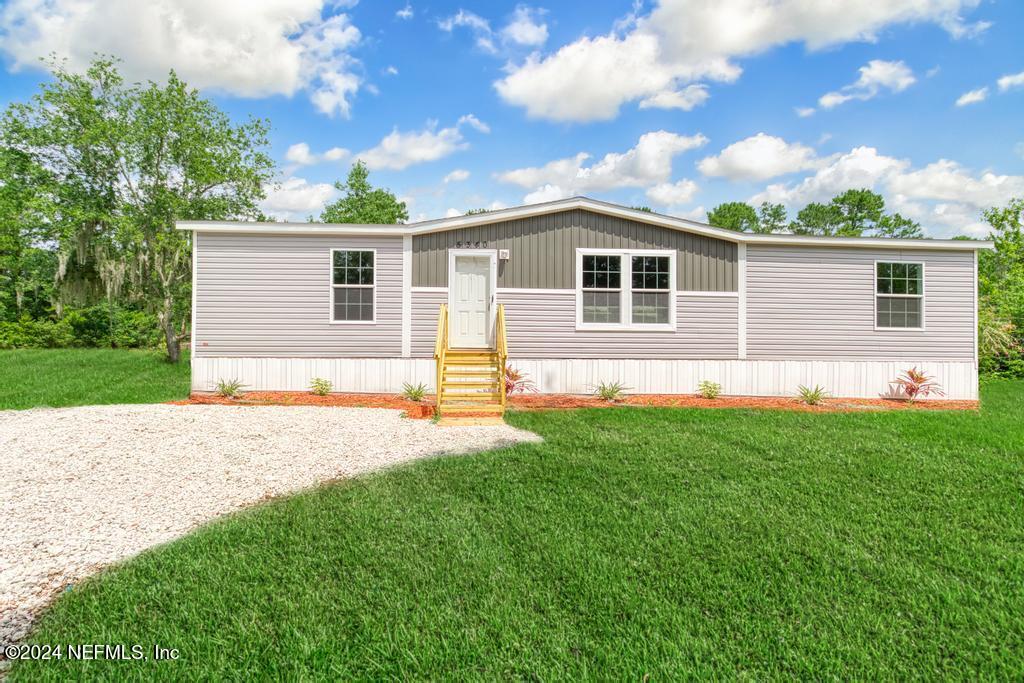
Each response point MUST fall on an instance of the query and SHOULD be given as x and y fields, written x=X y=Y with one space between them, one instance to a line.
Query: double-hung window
x=899 y=295
x=627 y=289
x=352 y=285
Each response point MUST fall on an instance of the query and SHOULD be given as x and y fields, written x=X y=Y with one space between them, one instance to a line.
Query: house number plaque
x=471 y=245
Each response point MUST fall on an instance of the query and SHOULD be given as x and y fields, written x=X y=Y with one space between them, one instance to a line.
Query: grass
x=635 y=541
x=30 y=378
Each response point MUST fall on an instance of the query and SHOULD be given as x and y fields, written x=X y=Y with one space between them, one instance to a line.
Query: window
x=899 y=295
x=625 y=289
x=352 y=286
x=602 y=289
x=651 y=294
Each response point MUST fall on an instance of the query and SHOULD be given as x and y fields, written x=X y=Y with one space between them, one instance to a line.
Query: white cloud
x=276 y=47
x=391 y=70
x=874 y=76
x=699 y=214
x=1019 y=149
x=685 y=41
x=475 y=123
x=1010 y=81
x=300 y=154
x=526 y=27
x=456 y=176
x=399 y=150
x=934 y=71
x=405 y=13
x=972 y=97
x=672 y=194
x=452 y=213
x=944 y=196
x=804 y=112
x=686 y=99
x=648 y=163
x=480 y=27
x=759 y=157
x=296 y=198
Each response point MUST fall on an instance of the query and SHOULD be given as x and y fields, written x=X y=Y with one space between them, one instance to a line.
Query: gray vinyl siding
x=542 y=324
x=543 y=251
x=270 y=296
x=814 y=303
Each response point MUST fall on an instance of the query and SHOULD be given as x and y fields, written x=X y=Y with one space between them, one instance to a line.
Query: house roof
x=606 y=208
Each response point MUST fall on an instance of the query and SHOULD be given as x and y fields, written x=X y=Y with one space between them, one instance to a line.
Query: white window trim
x=334 y=287
x=921 y=296
x=626 y=290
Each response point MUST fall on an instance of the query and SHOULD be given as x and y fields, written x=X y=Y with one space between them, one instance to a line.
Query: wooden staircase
x=471 y=381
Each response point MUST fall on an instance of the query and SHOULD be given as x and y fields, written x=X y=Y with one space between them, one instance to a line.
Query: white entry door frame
x=468 y=306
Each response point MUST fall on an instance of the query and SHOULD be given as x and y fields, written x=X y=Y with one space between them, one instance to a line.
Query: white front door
x=470 y=316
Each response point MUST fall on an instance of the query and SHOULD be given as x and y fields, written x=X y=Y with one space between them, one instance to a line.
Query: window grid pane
x=353 y=268
x=899 y=312
x=601 y=307
x=650 y=308
x=899 y=278
x=353 y=304
x=650 y=272
x=602 y=272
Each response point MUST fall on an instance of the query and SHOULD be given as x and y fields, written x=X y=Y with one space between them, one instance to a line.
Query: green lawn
x=30 y=378
x=667 y=542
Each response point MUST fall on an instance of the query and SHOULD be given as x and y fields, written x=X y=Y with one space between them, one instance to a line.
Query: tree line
x=94 y=172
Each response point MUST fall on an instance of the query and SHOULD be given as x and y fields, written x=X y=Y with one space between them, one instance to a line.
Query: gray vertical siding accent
x=543 y=250
x=269 y=296
x=543 y=325
x=818 y=303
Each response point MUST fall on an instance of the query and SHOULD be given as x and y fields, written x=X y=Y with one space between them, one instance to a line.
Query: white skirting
x=848 y=379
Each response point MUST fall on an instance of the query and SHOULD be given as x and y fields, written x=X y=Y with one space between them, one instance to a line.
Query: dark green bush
x=95 y=326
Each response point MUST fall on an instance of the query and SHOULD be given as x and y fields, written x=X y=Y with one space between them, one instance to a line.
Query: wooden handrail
x=441 y=349
x=501 y=347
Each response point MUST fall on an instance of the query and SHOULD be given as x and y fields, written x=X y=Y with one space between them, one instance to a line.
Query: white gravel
x=81 y=488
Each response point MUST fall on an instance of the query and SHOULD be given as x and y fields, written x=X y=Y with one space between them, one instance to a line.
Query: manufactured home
x=575 y=293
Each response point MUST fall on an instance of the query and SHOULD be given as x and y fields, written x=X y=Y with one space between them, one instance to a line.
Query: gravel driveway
x=81 y=488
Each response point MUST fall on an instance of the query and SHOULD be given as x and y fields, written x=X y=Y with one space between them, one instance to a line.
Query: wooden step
x=470 y=421
x=474 y=371
x=449 y=409
x=471 y=397
x=468 y=385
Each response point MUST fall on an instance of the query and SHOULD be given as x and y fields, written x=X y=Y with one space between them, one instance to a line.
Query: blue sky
x=679 y=105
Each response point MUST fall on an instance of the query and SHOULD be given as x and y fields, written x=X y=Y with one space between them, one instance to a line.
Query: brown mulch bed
x=425 y=409
x=832 y=405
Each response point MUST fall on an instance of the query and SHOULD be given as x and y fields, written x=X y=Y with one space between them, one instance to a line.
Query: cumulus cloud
x=391 y=70
x=300 y=154
x=526 y=27
x=456 y=176
x=874 y=76
x=399 y=150
x=944 y=196
x=648 y=163
x=804 y=112
x=687 y=41
x=296 y=198
x=759 y=157
x=972 y=97
x=1010 y=81
x=686 y=99
x=276 y=47
x=673 y=194
x=480 y=27
x=405 y=13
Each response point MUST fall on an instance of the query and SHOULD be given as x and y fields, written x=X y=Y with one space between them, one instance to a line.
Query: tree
x=770 y=218
x=860 y=210
x=737 y=216
x=645 y=209
x=473 y=212
x=817 y=219
x=362 y=203
x=896 y=226
x=123 y=163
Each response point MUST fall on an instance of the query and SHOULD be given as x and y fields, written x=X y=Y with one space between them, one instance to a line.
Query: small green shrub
x=27 y=333
x=231 y=388
x=610 y=391
x=414 y=392
x=812 y=397
x=320 y=386
x=709 y=389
